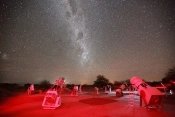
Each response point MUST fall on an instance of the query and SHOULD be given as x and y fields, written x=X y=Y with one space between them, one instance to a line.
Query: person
x=109 y=88
x=28 y=91
x=96 y=90
x=75 y=91
x=32 y=89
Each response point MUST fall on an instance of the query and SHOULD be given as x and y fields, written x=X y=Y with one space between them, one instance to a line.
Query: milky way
x=78 y=31
x=80 y=39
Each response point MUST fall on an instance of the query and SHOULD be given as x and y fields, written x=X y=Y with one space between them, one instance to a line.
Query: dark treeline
x=8 y=89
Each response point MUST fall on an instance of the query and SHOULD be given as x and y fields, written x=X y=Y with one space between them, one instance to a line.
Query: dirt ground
x=86 y=104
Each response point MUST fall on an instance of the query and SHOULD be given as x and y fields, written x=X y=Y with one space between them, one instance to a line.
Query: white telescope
x=150 y=95
x=52 y=99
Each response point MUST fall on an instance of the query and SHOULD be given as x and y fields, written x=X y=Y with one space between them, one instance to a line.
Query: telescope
x=150 y=95
x=52 y=99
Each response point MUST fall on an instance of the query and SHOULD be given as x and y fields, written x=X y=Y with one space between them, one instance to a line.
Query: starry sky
x=80 y=39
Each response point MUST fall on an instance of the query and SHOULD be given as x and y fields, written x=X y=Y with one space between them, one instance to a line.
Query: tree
x=169 y=76
x=117 y=83
x=44 y=85
x=101 y=81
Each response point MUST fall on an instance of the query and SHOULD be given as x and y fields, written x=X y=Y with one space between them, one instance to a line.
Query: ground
x=86 y=104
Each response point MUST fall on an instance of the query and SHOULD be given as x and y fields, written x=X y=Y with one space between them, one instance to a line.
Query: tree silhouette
x=169 y=76
x=101 y=81
x=44 y=85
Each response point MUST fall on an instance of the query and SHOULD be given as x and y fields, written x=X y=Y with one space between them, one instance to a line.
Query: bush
x=4 y=92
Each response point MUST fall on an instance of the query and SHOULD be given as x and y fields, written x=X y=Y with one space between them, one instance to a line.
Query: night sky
x=80 y=39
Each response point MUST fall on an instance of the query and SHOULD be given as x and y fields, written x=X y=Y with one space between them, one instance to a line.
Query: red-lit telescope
x=150 y=95
x=52 y=99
